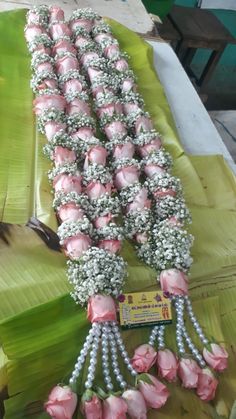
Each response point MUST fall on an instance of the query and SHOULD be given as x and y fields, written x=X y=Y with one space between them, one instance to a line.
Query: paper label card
x=144 y=309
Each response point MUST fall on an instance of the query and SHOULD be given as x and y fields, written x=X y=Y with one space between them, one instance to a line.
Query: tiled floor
x=225 y=122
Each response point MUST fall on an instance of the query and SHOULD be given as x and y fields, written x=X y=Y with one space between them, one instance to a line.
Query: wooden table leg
x=210 y=67
x=187 y=58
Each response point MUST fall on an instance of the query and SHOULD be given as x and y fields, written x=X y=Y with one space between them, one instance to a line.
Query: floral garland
x=66 y=57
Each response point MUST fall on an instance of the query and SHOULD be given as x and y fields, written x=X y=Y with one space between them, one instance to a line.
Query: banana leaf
x=41 y=329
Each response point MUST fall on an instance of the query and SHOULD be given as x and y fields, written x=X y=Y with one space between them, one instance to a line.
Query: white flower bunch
x=96 y=172
x=72 y=228
x=69 y=168
x=109 y=232
x=103 y=205
x=170 y=206
x=169 y=247
x=160 y=158
x=63 y=199
x=98 y=272
x=137 y=222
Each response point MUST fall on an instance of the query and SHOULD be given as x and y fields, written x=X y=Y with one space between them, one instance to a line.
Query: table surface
x=197 y=133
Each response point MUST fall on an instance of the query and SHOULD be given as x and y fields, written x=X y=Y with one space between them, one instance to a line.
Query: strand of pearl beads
x=194 y=321
x=157 y=333
x=121 y=346
x=93 y=334
x=105 y=360
x=193 y=348
x=179 y=307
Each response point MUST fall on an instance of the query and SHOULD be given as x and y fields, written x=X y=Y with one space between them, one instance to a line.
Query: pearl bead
x=87 y=384
x=123 y=384
x=133 y=372
x=205 y=341
x=107 y=379
x=109 y=386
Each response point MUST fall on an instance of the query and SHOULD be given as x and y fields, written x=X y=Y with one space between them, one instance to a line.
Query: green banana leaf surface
x=41 y=329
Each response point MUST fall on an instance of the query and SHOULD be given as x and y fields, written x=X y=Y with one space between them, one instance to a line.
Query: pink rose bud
x=33 y=18
x=130 y=107
x=101 y=308
x=70 y=212
x=97 y=155
x=112 y=246
x=63 y=46
x=102 y=221
x=48 y=84
x=123 y=151
x=67 y=183
x=111 y=51
x=216 y=357
x=72 y=86
x=143 y=124
x=152 y=169
x=154 y=392
x=167 y=364
x=126 y=176
x=57 y=30
x=52 y=127
x=32 y=31
x=96 y=189
x=110 y=110
x=56 y=14
x=81 y=41
x=207 y=384
x=140 y=202
x=114 y=408
x=102 y=37
x=121 y=65
x=92 y=407
x=161 y=194
x=128 y=85
x=115 y=128
x=66 y=63
x=78 y=106
x=83 y=133
x=63 y=155
x=88 y=56
x=61 y=403
x=147 y=149
x=93 y=73
x=174 y=282
x=44 y=67
x=188 y=372
x=137 y=408
x=75 y=246
x=144 y=358
x=141 y=238
x=49 y=101
x=87 y=24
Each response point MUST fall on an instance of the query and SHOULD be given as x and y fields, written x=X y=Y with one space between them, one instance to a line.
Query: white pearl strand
x=157 y=333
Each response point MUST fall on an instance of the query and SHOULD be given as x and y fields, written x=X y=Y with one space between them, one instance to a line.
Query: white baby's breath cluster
x=163 y=181
x=125 y=162
x=109 y=232
x=98 y=272
x=68 y=168
x=38 y=78
x=42 y=39
x=49 y=115
x=132 y=117
x=103 y=205
x=70 y=75
x=72 y=228
x=146 y=137
x=137 y=222
x=61 y=138
x=128 y=193
x=170 y=206
x=86 y=13
x=60 y=198
x=101 y=27
x=97 y=173
x=79 y=120
x=160 y=158
x=169 y=247
x=40 y=58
